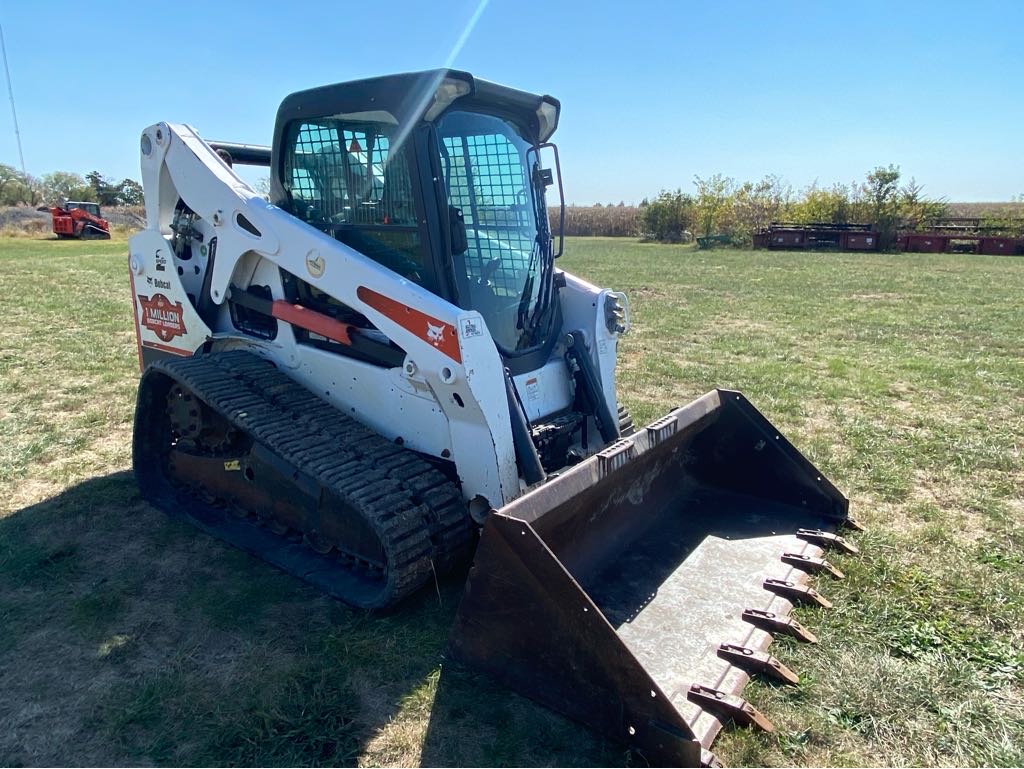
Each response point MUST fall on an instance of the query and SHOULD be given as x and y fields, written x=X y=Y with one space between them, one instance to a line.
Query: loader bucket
x=630 y=592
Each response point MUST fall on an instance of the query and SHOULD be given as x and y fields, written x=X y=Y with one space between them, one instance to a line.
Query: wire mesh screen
x=347 y=179
x=487 y=180
x=346 y=173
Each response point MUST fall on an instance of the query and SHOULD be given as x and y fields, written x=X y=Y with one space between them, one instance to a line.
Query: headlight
x=616 y=312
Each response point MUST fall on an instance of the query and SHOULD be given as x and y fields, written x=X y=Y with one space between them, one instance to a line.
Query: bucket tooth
x=811 y=564
x=728 y=707
x=773 y=623
x=826 y=540
x=754 y=661
x=709 y=760
x=795 y=593
x=852 y=524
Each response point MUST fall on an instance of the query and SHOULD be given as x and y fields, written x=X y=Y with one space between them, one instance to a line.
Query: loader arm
x=447 y=349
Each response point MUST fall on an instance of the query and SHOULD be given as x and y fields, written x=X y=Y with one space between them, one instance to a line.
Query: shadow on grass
x=129 y=637
x=475 y=722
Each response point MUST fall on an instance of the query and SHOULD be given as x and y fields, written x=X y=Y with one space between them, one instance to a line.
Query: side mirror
x=457 y=229
x=549 y=152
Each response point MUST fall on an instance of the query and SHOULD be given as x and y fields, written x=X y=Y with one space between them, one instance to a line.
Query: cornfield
x=606 y=221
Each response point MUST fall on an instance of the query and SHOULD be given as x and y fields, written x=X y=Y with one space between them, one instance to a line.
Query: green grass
x=127 y=637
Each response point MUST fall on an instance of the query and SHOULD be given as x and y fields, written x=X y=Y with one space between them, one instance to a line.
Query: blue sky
x=652 y=93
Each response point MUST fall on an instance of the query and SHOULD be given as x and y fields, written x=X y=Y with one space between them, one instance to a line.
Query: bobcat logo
x=315 y=264
x=434 y=333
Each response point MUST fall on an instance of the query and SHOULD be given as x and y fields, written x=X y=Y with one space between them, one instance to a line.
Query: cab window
x=349 y=179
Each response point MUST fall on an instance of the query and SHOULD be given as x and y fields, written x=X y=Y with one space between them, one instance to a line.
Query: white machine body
x=447 y=399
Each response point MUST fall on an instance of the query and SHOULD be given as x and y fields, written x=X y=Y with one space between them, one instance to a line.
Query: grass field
x=127 y=638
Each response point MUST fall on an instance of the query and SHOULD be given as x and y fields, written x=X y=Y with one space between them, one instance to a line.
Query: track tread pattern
x=626 y=426
x=417 y=513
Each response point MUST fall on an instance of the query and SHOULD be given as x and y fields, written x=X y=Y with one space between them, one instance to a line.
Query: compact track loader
x=79 y=220
x=382 y=373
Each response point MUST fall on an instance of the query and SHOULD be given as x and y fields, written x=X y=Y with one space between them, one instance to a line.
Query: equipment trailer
x=382 y=373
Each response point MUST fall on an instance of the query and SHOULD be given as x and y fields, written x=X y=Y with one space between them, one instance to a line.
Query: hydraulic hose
x=587 y=378
x=526 y=452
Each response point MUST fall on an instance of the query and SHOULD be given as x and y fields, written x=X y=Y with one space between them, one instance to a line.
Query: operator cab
x=438 y=177
x=93 y=209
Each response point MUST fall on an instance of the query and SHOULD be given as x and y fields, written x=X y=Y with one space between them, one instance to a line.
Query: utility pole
x=10 y=92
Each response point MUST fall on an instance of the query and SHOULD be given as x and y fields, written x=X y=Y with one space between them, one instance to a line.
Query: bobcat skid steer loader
x=78 y=220
x=382 y=373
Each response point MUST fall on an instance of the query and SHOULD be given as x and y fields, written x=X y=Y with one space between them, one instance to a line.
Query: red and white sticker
x=441 y=335
x=532 y=389
x=162 y=317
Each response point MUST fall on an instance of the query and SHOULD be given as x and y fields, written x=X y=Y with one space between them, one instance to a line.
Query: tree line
x=721 y=206
x=18 y=189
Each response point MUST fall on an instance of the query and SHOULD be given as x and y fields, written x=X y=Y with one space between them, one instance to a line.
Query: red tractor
x=79 y=220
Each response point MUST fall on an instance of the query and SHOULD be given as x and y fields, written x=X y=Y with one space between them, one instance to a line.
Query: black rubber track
x=416 y=512
x=626 y=426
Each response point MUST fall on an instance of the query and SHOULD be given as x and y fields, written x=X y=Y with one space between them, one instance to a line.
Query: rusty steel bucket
x=637 y=591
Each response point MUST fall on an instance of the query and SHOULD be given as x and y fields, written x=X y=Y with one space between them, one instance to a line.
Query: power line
x=10 y=91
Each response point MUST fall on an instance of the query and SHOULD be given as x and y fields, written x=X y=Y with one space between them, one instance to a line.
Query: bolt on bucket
x=637 y=591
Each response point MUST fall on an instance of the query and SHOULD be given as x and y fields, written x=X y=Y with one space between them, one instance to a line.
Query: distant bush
x=669 y=218
x=126 y=192
x=722 y=207
x=16 y=188
x=1009 y=223
x=755 y=205
x=19 y=189
x=64 y=185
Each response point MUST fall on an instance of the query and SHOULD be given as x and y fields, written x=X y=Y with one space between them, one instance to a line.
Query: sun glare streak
x=430 y=86
x=466 y=32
